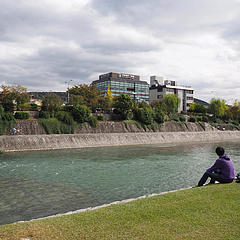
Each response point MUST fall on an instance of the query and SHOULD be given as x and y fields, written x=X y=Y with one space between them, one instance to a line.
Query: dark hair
x=219 y=151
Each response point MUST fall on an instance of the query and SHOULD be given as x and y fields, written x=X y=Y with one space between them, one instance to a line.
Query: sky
x=44 y=44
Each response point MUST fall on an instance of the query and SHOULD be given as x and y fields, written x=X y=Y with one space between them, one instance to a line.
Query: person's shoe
x=195 y=186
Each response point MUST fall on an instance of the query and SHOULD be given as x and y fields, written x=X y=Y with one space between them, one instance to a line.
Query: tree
x=81 y=113
x=88 y=95
x=145 y=115
x=123 y=105
x=197 y=108
x=171 y=103
x=51 y=103
x=217 y=107
x=233 y=112
x=109 y=93
x=11 y=94
x=104 y=103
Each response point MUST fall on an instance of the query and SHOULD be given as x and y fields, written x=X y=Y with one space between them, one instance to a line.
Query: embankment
x=55 y=141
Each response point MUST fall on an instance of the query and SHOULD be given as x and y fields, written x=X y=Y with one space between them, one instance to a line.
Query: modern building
x=123 y=83
x=160 y=87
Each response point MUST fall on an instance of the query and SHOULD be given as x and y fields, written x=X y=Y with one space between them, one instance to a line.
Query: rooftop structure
x=123 y=83
x=159 y=87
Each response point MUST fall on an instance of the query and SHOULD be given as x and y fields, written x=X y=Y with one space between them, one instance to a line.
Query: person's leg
x=203 y=179
x=214 y=177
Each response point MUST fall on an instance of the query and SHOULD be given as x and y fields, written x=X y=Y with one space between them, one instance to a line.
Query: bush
x=174 y=117
x=93 y=121
x=205 y=118
x=44 y=114
x=159 y=116
x=34 y=107
x=1 y=111
x=8 y=116
x=182 y=118
x=54 y=126
x=65 y=117
x=81 y=113
x=145 y=115
x=100 y=117
x=199 y=119
x=22 y=115
x=192 y=119
x=24 y=107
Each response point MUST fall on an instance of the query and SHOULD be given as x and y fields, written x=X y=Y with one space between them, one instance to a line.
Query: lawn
x=211 y=212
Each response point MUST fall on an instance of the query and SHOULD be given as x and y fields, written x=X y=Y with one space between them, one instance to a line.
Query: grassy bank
x=211 y=212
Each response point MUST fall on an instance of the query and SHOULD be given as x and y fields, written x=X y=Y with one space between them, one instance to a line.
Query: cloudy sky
x=45 y=43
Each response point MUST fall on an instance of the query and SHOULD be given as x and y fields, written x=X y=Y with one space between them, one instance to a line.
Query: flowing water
x=43 y=183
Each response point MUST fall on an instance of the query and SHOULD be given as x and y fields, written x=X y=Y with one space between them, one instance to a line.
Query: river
x=42 y=183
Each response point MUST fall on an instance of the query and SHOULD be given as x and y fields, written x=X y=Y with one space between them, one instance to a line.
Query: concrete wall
x=46 y=142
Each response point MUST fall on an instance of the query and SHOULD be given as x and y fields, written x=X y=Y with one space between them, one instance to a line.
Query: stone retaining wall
x=46 y=142
x=32 y=127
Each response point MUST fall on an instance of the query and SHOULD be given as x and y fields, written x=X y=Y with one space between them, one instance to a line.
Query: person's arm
x=215 y=166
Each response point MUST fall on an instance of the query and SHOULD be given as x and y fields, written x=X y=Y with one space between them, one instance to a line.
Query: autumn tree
x=13 y=94
x=85 y=95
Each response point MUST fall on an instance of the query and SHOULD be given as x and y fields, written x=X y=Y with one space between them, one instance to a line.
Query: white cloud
x=45 y=43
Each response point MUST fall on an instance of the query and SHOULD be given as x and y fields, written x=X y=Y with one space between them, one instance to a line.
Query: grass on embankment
x=211 y=212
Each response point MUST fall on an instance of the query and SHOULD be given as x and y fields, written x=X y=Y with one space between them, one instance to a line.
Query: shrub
x=174 y=117
x=159 y=116
x=145 y=115
x=1 y=111
x=182 y=118
x=54 y=126
x=81 y=113
x=199 y=118
x=24 y=107
x=100 y=117
x=22 y=115
x=44 y=114
x=34 y=107
x=93 y=121
x=205 y=118
x=65 y=117
x=192 y=119
x=8 y=116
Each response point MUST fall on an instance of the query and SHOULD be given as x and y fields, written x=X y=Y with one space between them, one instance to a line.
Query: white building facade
x=159 y=87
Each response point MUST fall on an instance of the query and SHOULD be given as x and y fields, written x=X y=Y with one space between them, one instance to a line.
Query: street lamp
x=68 y=82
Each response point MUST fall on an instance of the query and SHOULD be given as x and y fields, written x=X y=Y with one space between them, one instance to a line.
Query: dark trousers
x=214 y=177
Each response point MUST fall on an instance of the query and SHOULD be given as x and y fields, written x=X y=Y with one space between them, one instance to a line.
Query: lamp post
x=68 y=82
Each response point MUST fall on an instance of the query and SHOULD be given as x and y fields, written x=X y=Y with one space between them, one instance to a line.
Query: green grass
x=211 y=212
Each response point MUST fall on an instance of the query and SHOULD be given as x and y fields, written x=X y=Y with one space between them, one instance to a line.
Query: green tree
x=145 y=115
x=123 y=105
x=217 y=107
x=105 y=104
x=170 y=102
x=197 y=108
x=81 y=113
x=51 y=103
x=88 y=95
x=159 y=115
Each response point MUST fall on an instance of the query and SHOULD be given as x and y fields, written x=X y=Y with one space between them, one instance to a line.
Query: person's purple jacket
x=224 y=166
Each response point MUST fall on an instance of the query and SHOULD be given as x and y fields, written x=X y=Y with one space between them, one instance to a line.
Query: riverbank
x=68 y=141
x=210 y=212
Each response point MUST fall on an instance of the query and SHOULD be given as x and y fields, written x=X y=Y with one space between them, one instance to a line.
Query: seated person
x=221 y=171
